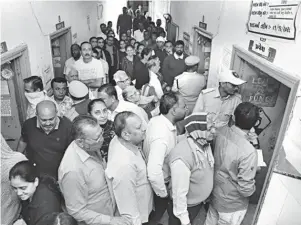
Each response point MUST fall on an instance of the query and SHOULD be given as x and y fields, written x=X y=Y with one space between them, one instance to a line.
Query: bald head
x=47 y=115
x=46 y=107
x=72 y=75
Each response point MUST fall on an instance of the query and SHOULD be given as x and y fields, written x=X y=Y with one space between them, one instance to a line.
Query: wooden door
x=10 y=120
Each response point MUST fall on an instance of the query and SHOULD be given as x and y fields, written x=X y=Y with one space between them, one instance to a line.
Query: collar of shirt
x=239 y=131
x=218 y=95
x=178 y=57
x=56 y=126
x=133 y=148
x=168 y=123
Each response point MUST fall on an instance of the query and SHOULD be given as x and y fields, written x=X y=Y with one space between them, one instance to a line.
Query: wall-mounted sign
x=60 y=25
x=273 y=18
x=203 y=25
x=186 y=39
x=262 y=49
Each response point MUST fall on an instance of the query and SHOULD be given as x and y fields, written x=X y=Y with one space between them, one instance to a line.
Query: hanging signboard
x=262 y=49
x=273 y=18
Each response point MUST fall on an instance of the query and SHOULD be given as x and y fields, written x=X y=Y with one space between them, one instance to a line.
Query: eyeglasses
x=123 y=81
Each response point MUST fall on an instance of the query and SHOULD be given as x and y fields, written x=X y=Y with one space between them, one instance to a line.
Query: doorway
x=14 y=68
x=135 y=4
x=202 y=42
x=60 y=42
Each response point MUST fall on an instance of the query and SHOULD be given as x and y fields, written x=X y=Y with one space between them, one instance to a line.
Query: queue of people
x=128 y=135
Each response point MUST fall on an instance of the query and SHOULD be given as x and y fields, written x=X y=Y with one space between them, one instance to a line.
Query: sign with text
x=260 y=89
x=203 y=25
x=60 y=25
x=273 y=18
x=262 y=49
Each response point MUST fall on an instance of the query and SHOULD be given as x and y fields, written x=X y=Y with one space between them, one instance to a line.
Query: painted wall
x=31 y=23
x=227 y=20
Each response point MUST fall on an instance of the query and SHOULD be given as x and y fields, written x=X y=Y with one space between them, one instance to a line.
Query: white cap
x=78 y=89
x=230 y=76
x=160 y=39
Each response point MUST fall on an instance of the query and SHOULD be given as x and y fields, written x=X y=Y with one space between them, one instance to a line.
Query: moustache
x=87 y=54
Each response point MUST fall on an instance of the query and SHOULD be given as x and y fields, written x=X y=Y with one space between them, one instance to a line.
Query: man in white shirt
x=102 y=32
x=90 y=70
x=108 y=94
x=138 y=34
x=75 y=52
x=160 y=138
x=131 y=188
x=153 y=66
x=122 y=81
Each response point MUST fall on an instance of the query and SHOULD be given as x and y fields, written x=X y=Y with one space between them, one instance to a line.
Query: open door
x=14 y=68
x=60 y=42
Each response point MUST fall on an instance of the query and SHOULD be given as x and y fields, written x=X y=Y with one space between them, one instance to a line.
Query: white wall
x=18 y=24
x=227 y=20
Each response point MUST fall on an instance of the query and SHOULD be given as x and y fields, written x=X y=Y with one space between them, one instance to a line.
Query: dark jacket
x=45 y=201
x=124 y=23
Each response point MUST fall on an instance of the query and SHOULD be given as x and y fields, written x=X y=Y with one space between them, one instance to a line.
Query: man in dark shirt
x=45 y=138
x=124 y=22
x=174 y=64
x=140 y=72
x=158 y=27
x=138 y=19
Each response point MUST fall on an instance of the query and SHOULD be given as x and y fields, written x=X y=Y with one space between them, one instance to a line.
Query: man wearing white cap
x=160 y=51
x=220 y=102
x=79 y=94
x=190 y=83
x=122 y=81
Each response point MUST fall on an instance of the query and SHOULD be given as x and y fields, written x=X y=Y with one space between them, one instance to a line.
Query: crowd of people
x=131 y=131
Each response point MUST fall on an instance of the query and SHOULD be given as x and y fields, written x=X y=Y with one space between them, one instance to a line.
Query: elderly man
x=108 y=94
x=235 y=168
x=90 y=70
x=161 y=137
x=64 y=102
x=75 y=53
x=82 y=177
x=190 y=83
x=79 y=94
x=34 y=93
x=122 y=81
x=72 y=75
x=131 y=188
x=45 y=138
x=191 y=165
x=220 y=102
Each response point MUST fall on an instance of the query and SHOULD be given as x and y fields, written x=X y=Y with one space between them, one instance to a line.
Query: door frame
x=22 y=70
x=57 y=34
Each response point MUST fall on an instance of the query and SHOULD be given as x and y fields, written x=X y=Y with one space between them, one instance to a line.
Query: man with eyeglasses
x=82 y=178
x=122 y=81
x=220 y=102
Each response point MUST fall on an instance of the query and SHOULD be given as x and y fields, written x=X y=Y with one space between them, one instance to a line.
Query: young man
x=64 y=102
x=235 y=168
x=132 y=190
x=158 y=27
x=139 y=34
x=75 y=53
x=103 y=31
x=174 y=64
x=111 y=48
x=90 y=70
x=93 y=41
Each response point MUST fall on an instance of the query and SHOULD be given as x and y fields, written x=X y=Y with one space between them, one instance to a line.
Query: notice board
x=273 y=18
